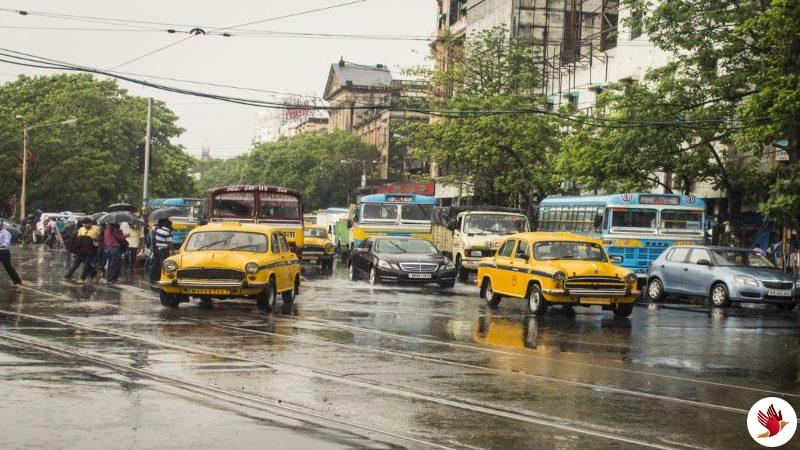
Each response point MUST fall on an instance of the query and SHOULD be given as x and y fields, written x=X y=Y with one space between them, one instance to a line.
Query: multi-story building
x=312 y=125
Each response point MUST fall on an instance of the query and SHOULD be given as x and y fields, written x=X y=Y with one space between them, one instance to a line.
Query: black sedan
x=398 y=259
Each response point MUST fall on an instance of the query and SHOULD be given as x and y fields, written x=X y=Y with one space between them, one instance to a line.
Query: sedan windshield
x=740 y=258
x=495 y=224
x=397 y=246
x=583 y=251
x=227 y=240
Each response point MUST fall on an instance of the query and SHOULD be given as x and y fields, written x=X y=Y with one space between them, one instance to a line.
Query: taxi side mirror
x=616 y=259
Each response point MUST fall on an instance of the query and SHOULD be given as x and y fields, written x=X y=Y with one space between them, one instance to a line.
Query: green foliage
x=504 y=157
x=84 y=167
x=326 y=168
x=783 y=205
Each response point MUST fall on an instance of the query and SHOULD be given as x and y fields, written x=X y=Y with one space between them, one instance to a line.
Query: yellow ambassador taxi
x=231 y=259
x=317 y=246
x=556 y=268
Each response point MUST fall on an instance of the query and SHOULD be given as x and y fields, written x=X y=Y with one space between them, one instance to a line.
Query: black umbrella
x=166 y=213
x=121 y=207
x=117 y=217
x=98 y=215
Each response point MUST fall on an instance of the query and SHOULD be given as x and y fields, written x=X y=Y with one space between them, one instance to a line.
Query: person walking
x=86 y=237
x=114 y=241
x=162 y=245
x=133 y=234
x=60 y=226
x=5 y=256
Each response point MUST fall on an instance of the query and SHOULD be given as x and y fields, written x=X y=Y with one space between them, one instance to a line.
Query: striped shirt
x=162 y=236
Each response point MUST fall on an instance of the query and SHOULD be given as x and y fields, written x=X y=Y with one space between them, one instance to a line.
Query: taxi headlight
x=251 y=267
x=560 y=276
x=169 y=266
x=631 y=278
x=746 y=281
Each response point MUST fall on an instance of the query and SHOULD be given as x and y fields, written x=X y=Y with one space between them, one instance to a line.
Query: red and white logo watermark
x=772 y=422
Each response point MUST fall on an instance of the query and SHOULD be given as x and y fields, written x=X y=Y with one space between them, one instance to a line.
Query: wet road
x=355 y=366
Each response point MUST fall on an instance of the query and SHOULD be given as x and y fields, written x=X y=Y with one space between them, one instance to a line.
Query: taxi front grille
x=596 y=285
x=210 y=274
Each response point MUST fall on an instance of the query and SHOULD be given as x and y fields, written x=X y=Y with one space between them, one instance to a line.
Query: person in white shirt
x=5 y=256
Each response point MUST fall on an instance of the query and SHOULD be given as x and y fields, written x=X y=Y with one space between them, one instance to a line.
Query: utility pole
x=22 y=194
x=147 y=153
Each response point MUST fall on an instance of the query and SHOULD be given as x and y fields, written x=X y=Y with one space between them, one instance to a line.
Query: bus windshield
x=234 y=205
x=681 y=220
x=494 y=224
x=416 y=213
x=273 y=206
x=379 y=212
x=583 y=251
x=634 y=218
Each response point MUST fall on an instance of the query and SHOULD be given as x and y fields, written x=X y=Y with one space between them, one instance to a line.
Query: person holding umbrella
x=162 y=246
x=5 y=256
x=88 y=235
x=114 y=241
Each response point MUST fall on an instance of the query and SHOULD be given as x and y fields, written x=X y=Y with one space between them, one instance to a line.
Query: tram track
x=582 y=428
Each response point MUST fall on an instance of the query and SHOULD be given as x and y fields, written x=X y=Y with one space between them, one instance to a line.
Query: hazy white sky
x=286 y=64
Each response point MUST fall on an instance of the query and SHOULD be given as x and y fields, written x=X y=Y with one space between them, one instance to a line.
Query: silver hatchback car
x=722 y=274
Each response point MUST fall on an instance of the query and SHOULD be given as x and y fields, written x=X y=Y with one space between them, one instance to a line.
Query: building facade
x=312 y=125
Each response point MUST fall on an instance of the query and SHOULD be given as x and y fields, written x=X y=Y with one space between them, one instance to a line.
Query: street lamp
x=25 y=132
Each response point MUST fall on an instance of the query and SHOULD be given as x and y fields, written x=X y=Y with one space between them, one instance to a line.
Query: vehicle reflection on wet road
x=352 y=365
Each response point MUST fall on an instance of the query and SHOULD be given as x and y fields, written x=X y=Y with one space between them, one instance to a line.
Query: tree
x=84 y=167
x=326 y=168
x=504 y=158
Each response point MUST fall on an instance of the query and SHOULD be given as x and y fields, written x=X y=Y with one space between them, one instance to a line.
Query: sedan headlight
x=631 y=278
x=560 y=276
x=384 y=265
x=449 y=266
x=251 y=267
x=169 y=266
x=746 y=281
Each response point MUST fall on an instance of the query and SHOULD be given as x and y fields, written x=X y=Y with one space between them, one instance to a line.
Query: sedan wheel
x=655 y=290
x=719 y=296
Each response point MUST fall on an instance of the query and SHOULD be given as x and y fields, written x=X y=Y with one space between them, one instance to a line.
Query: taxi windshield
x=315 y=232
x=227 y=240
x=581 y=251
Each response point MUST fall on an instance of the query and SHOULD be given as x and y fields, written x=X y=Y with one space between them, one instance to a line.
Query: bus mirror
x=616 y=259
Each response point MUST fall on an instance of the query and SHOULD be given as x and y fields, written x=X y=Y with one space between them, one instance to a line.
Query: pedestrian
x=162 y=245
x=115 y=245
x=133 y=234
x=101 y=258
x=5 y=256
x=49 y=232
x=60 y=226
x=86 y=249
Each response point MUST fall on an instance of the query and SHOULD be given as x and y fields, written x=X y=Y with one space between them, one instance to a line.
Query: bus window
x=634 y=218
x=378 y=211
x=416 y=212
x=234 y=205
x=676 y=219
x=278 y=207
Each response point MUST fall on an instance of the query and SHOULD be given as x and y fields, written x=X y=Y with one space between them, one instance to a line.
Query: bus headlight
x=631 y=278
x=251 y=267
x=169 y=266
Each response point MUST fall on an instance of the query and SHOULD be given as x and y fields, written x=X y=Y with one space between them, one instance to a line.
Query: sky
x=276 y=63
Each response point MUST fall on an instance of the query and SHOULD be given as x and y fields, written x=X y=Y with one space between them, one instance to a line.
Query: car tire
x=351 y=272
x=655 y=290
x=463 y=274
x=719 y=296
x=169 y=300
x=623 y=310
x=288 y=296
x=266 y=299
x=206 y=303
x=788 y=307
x=537 y=304
x=492 y=298
x=373 y=276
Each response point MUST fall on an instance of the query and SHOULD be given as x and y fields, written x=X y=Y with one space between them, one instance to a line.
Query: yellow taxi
x=231 y=259
x=556 y=269
x=317 y=246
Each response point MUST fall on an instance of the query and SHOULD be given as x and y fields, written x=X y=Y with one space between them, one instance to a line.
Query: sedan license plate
x=777 y=293
x=420 y=276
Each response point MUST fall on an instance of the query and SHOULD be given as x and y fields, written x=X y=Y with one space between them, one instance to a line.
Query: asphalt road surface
x=355 y=366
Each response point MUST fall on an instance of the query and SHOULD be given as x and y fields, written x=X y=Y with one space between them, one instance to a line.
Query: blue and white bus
x=634 y=227
x=391 y=215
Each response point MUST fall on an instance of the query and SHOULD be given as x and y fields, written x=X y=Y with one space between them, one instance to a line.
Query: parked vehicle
x=391 y=215
x=275 y=206
x=556 y=269
x=226 y=260
x=317 y=247
x=46 y=218
x=466 y=233
x=400 y=259
x=721 y=274
x=12 y=228
x=635 y=228
x=193 y=212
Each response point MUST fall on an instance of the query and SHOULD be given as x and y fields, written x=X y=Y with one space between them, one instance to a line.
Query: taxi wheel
x=266 y=299
x=288 y=296
x=623 y=310
x=536 y=303
x=169 y=300
x=373 y=276
x=492 y=299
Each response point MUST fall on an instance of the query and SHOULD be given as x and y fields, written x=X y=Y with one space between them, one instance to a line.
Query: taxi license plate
x=289 y=234
x=420 y=276
x=777 y=293
x=597 y=300
x=207 y=291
